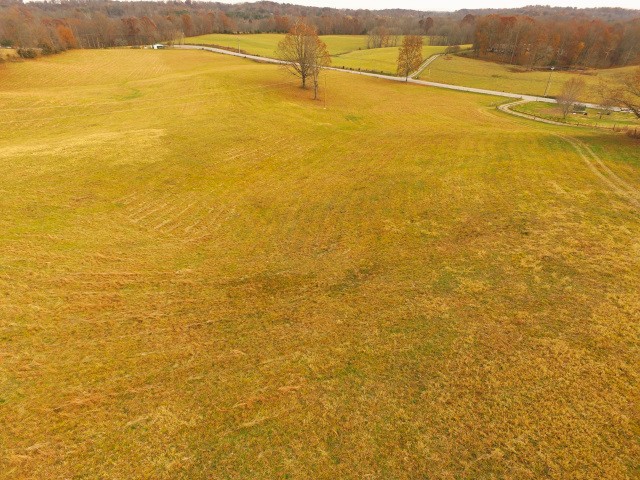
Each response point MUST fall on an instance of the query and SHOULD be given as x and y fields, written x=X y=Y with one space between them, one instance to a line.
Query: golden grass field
x=206 y=274
x=266 y=44
x=471 y=72
x=347 y=51
x=384 y=60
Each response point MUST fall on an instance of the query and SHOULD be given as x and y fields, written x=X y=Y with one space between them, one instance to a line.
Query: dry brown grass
x=205 y=274
x=8 y=54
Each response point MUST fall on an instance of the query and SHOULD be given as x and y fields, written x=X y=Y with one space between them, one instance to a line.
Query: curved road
x=529 y=98
x=506 y=108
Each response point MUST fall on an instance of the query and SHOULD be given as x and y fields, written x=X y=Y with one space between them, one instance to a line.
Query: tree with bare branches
x=304 y=53
x=410 y=55
x=379 y=37
x=629 y=95
x=571 y=91
x=606 y=97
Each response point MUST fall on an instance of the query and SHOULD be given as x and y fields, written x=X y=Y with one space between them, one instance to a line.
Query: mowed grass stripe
x=402 y=284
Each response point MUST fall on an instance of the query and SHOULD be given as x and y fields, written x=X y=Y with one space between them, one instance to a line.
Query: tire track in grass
x=176 y=220
x=600 y=169
x=198 y=210
x=603 y=172
x=221 y=208
x=622 y=183
x=186 y=213
x=208 y=225
x=364 y=184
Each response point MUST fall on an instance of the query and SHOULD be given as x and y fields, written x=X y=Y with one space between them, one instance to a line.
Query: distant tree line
x=532 y=36
x=549 y=41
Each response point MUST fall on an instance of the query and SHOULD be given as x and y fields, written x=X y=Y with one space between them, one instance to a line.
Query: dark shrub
x=27 y=52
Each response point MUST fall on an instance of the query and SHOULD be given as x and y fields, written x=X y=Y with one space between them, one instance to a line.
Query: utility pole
x=325 y=90
x=548 y=81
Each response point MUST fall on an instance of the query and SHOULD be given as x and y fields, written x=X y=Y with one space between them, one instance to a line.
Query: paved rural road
x=424 y=65
x=527 y=98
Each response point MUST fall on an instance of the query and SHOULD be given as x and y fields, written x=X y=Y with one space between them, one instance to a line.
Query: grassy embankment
x=206 y=274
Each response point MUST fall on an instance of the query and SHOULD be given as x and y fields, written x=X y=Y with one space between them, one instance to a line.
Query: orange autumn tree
x=66 y=36
x=410 y=55
x=304 y=53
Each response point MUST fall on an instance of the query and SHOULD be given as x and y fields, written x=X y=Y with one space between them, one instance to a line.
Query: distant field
x=266 y=44
x=347 y=51
x=593 y=117
x=471 y=72
x=378 y=59
x=205 y=274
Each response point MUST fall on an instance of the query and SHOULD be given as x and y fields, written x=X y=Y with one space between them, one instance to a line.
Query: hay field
x=205 y=274
x=266 y=44
x=383 y=60
x=348 y=51
x=471 y=72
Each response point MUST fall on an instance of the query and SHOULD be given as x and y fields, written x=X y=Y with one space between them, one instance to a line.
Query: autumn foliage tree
x=410 y=55
x=557 y=41
x=66 y=36
x=531 y=36
x=304 y=54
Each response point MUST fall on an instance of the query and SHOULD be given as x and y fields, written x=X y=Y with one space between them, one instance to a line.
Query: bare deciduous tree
x=569 y=95
x=304 y=53
x=410 y=55
x=629 y=95
x=606 y=97
x=379 y=37
x=426 y=24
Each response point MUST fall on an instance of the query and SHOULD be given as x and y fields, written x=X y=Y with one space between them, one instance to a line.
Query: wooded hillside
x=532 y=36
